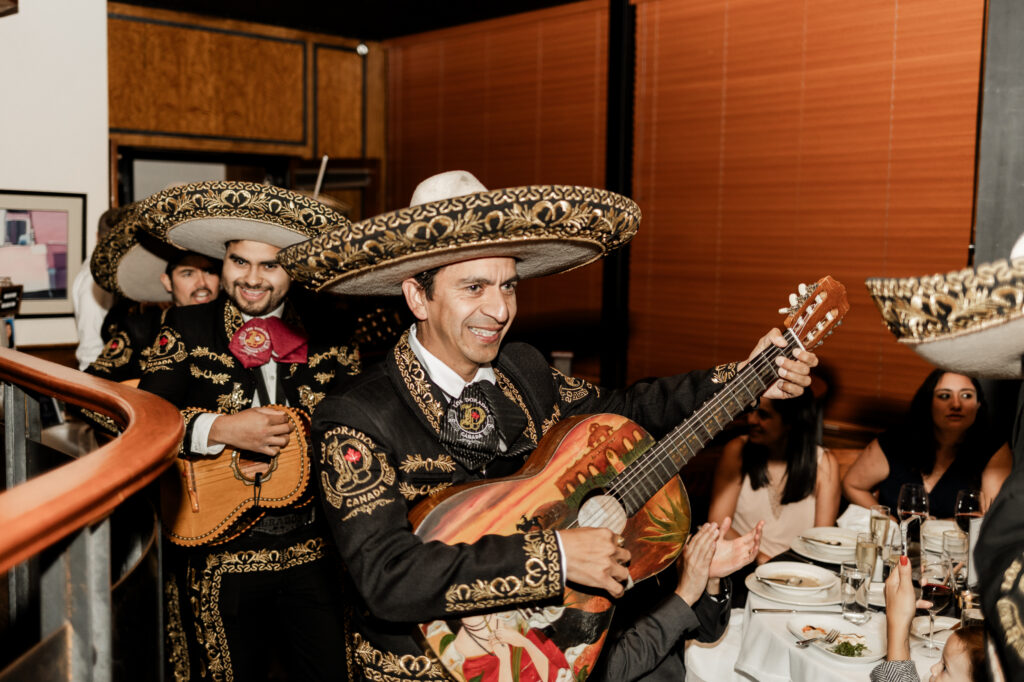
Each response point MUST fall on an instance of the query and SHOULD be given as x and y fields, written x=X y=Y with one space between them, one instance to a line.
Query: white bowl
x=812 y=578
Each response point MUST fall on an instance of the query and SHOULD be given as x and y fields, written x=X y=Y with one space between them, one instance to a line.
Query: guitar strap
x=263 y=393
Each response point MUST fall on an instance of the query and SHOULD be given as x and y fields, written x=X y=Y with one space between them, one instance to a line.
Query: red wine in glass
x=963 y=520
x=938 y=595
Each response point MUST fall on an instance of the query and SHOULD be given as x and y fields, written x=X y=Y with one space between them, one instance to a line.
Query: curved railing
x=39 y=512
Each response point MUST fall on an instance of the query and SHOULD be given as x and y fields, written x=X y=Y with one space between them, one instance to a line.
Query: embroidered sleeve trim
x=442 y=462
x=187 y=415
x=724 y=373
x=384 y=666
x=411 y=492
x=102 y=419
x=204 y=352
x=541 y=579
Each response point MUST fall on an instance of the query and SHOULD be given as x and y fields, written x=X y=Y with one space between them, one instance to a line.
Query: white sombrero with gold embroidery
x=204 y=216
x=969 y=321
x=128 y=261
x=452 y=217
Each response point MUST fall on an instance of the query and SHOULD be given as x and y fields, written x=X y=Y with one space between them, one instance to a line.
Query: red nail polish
x=904 y=561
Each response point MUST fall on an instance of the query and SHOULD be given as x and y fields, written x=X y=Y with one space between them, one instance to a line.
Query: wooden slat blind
x=778 y=141
x=516 y=101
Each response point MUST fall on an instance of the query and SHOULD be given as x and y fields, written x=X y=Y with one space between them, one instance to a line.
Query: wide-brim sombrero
x=969 y=321
x=204 y=216
x=546 y=228
x=129 y=262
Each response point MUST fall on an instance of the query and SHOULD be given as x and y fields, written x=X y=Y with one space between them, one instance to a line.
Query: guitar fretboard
x=647 y=475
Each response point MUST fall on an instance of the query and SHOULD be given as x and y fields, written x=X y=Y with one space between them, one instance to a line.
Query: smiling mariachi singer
x=272 y=591
x=450 y=405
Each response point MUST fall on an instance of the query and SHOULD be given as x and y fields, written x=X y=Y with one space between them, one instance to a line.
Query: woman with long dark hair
x=945 y=443
x=778 y=473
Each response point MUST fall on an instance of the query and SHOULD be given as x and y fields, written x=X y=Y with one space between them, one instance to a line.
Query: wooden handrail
x=48 y=507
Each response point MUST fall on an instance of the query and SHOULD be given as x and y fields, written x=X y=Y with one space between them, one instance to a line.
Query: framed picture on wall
x=42 y=246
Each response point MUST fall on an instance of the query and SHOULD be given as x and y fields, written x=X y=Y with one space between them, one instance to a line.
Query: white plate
x=931 y=533
x=919 y=627
x=813 y=550
x=873 y=632
x=824 y=598
x=814 y=578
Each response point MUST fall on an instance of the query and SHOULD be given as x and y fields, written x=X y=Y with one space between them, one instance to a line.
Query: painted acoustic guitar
x=209 y=500
x=599 y=470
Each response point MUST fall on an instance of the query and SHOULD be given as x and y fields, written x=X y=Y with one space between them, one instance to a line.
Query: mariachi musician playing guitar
x=449 y=406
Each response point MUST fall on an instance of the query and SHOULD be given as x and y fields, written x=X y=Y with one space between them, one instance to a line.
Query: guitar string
x=660 y=454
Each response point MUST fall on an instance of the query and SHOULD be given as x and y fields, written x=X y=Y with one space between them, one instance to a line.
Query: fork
x=824 y=639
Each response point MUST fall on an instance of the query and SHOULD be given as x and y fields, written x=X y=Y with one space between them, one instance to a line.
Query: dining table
x=760 y=644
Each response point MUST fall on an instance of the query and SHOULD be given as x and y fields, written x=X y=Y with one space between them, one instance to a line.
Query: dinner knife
x=759 y=610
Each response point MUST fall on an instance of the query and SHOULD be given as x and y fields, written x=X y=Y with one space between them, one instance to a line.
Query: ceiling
x=365 y=20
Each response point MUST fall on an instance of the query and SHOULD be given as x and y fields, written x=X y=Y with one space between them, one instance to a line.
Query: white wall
x=53 y=117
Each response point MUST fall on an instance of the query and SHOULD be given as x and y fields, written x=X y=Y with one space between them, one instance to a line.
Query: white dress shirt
x=91 y=304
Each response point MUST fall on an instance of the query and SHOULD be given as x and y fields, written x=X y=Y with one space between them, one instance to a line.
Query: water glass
x=853 y=585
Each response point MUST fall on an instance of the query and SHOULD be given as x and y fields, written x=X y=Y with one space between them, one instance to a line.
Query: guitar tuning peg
x=783 y=311
x=802 y=289
x=792 y=299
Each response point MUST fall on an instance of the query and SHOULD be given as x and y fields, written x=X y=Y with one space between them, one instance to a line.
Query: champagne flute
x=954 y=548
x=867 y=553
x=892 y=553
x=935 y=588
x=968 y=506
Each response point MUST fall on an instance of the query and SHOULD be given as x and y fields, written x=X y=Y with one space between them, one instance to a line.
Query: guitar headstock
x=816 y=310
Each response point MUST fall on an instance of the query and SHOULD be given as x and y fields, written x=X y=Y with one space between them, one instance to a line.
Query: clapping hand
x=732 y=555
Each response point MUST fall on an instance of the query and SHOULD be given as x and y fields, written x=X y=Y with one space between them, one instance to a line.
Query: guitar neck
x=647 y=475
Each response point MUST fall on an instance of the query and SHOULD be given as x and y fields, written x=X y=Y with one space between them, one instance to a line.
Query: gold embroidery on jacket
x=323 y=377
x=361 y=474
x=216 y=377
x=117 y=352
x=509 y=389
x=1009 y=612
x=541 y=579
x=417 y=462
x=101 y=419
x=166 y=350
x=209 y=623
x=204 y=352
x=415 y=379
x=723 y=374
x=232 y=319
x=175 y=633
x=556 y=416
x=384 y=666
x=309 y=398
x=345 y=356
x=572 y=389
x=411 y=492
x=233 y=402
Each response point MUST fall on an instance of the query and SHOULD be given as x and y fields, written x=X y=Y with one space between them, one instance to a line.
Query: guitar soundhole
x=602 y=511
x=248 y=465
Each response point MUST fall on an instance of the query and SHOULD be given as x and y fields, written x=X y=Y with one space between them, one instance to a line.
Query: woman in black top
x=945 y=443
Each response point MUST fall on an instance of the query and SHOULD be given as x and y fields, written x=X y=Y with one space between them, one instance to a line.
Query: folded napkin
x=856 y=518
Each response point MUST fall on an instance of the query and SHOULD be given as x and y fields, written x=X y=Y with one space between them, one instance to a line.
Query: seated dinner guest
x=945 y=443
x=963 y=656
x=776 y=473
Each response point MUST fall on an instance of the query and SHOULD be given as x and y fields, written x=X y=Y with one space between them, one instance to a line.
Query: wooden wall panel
x=777 y=141
x=516 y=101
x=339 y=101
x=189 y=80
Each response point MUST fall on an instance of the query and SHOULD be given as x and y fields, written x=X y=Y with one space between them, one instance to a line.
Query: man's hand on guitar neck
x=258 y=429
x=794 y=373
x=594 y=558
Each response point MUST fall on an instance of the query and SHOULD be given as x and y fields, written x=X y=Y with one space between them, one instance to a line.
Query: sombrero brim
x=121 y=265
x=969 y=321
x=546 y=228
x=204 y=216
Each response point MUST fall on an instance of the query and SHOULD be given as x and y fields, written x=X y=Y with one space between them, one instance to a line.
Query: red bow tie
x=263 y=338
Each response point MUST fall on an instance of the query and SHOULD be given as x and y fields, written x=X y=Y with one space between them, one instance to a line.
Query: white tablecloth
x=759 y=647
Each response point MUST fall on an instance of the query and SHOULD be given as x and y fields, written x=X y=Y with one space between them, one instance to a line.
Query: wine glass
x=936 y=588
x=967 y=507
